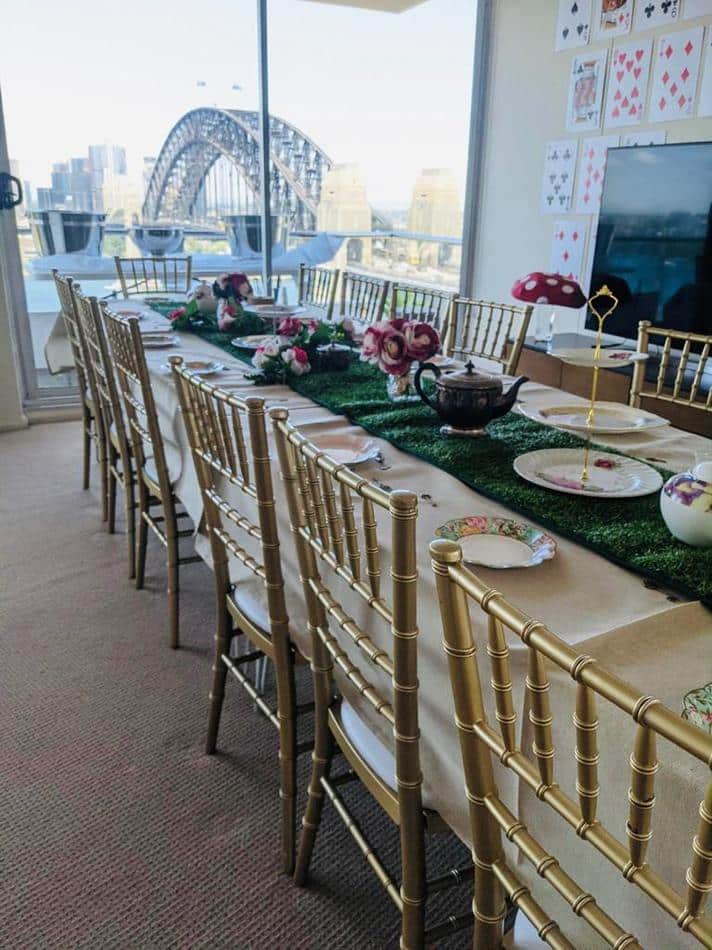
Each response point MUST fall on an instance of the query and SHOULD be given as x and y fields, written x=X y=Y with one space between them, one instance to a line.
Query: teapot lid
x=469 y=378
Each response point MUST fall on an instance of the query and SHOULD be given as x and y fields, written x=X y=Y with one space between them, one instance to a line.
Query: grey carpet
x=115 y=829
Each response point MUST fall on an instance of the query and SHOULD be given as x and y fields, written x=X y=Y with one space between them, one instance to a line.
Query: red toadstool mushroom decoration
x=552 y=289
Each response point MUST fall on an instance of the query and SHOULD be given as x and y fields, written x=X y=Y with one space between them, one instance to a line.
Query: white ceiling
x=385 y=6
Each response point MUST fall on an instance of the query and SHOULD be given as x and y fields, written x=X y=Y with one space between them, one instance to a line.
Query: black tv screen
x=654 y=242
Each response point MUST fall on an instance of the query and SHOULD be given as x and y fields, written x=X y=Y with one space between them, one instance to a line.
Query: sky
x=388 y=92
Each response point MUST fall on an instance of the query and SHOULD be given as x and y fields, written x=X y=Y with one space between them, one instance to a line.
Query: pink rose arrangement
x=232 y=286
x=277 y=359
x=393 y=345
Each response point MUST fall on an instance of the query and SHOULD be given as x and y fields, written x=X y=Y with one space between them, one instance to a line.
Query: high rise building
x=343 y=206
x=436 y=208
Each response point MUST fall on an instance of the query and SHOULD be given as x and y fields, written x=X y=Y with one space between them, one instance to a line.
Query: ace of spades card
x=627 y=83
x=650 y=13
x=586 y=83
x=677 y=64
x=567 y=248
x=612 y=17
x=573 y=25
x=591 y=173
x=559 y=169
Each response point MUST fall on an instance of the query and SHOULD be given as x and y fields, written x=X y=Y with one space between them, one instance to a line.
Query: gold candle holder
x=601 y=317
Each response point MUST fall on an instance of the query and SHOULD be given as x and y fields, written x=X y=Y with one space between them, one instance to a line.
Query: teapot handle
x=416 y=382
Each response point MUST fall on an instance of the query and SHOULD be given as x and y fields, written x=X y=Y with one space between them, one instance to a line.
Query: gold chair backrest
x=97 y=347
x=135 y=385
x=423 y=304
x=326 y=501
x=228 y=439
x=67 y=301
x=363 y=298
x=317 y=288
x=481 y=743
x=483 y=329
x=154 y=275
x=679 y=390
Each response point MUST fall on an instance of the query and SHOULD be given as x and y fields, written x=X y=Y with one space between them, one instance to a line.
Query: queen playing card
x=612 y=17
x=573 y=24
x=628 y=83
x=649 y=13
x=591 y=173
x=559 y=169
x=677 y=64
x=586 y=91
x=567 y=248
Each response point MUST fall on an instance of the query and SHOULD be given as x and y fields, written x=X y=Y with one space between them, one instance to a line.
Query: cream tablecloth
x=664 y=648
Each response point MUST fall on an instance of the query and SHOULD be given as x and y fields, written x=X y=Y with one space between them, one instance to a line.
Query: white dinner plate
x=348 y=449
x=251 y=342
x=609 y=359
x=609 y=476
x=198 y=367
x=159 y=341
x=275 y=310
x=609 y=418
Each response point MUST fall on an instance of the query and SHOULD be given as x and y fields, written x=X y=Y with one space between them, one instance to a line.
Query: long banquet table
x=662 y=645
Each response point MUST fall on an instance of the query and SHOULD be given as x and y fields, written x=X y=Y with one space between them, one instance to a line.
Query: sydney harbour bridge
x=205 y=137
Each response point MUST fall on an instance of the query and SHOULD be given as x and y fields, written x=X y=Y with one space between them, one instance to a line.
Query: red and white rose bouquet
x=394 y=345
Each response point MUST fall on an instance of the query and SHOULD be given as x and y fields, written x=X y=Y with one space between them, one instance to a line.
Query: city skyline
x=390 y=110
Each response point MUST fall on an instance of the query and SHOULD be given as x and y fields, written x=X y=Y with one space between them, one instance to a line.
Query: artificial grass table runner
x=629 y=532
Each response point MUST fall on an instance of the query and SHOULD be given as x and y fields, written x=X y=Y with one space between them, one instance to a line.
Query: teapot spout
x=507 y=399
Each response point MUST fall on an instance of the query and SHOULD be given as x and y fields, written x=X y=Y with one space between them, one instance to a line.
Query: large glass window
x=386 y=97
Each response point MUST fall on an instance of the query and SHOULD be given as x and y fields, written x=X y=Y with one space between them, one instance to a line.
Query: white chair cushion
x=370 y=747
x=250 y=598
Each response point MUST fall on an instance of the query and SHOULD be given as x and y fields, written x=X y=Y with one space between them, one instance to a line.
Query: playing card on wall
x=612 y=17
x=644 y=138
x=677 y=63
x=574 y=23
x=694 y=8
x=586 y=91
x=567 y=248
x=650 y=13
x=628 y=83
x=559 y=170
x=705 y=105
x=591 y=172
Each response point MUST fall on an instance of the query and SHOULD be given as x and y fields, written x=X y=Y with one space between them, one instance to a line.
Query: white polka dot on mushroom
x=552 y=281
x=542 y=300
x=530 y=285
x=567 y=288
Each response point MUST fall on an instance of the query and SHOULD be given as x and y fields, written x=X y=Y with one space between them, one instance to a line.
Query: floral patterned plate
x=697 y=707
x=498 y=542
x=608 y=359
x=609 y=476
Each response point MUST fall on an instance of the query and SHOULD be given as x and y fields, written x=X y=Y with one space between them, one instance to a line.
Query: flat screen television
x=654 y=241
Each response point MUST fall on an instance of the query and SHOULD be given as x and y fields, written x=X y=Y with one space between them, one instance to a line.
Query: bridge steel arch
x=202 y=136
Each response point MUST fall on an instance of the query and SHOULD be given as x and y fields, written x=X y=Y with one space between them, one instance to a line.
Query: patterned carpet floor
x=115 y=829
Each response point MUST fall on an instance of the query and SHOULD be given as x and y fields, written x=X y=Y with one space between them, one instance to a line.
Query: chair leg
x=321 y=759
x=104 y=473
x=172 y=586
x=130 y=505
x=223 y=636
x=111 y=503
x=287 y=713
x=86 y=459
x=142 y=538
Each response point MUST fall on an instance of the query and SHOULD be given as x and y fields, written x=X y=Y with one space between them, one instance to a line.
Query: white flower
x=272 y=346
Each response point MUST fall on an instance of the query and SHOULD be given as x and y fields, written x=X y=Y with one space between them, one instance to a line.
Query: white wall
x=11 y=414
x=527 y=100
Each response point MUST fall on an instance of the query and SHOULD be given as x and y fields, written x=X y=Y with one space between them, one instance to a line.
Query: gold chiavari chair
x=154 y=275
x=326 y=502
x=92 y=422
x=317 y=288
x=120 y=468
x=423 y=304
x=228 y=438
x=481 y=743
x=684 y=388
x=481 y=329
x=363 y=298
x=153 y=479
